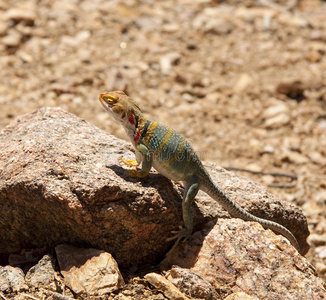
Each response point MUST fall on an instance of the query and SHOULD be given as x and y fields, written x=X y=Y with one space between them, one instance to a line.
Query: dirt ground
x=245 y=81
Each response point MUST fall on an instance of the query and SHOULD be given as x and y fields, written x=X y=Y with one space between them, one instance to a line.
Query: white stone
x=243 y=83
x=278 y=120
x=275 y=110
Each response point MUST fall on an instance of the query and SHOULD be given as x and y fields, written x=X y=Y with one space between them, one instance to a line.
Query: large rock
x=263 y=265
x=61 y=182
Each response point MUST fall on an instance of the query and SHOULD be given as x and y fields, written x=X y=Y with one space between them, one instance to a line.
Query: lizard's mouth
x=108 y=100
x=105 y=105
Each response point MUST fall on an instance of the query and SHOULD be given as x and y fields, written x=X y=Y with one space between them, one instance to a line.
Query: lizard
x=159 y=146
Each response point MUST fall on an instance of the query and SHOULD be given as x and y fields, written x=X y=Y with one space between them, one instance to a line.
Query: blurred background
x=244 y=81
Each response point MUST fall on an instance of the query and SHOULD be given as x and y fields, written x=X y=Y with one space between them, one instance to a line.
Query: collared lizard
x=159 y=146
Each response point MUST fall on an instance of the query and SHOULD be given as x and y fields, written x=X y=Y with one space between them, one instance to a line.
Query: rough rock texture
x=12 y=280
x=61 y=182
x=263 y=265
x=89 y=271
x=42 y=274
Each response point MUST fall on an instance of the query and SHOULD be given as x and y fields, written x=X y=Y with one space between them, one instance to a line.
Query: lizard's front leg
x=143 y=155
x=191 y=190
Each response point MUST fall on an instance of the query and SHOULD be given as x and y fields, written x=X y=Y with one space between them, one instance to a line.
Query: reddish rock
x=263 y=265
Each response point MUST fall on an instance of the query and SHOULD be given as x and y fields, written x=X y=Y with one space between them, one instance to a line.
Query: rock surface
x=12 y=280
x=42 y=275
x=61 y=182
x=263 y=265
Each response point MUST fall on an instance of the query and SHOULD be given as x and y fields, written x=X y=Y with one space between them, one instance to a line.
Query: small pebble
x=13 y=39
x=321 y=252
x=21 y=15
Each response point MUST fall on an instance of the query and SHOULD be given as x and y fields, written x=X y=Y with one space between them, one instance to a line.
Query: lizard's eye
x=112 y=98
x=108 y=98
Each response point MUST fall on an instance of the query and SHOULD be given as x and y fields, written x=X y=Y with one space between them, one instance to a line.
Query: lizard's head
x=121 y=107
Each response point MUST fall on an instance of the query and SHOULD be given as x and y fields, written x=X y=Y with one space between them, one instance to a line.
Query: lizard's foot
x=175 y=235
x=184 y=233
x=133 y=163
x=129 y=163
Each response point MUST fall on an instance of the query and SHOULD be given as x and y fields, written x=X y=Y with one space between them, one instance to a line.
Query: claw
x=129 y=163
x=176 y=234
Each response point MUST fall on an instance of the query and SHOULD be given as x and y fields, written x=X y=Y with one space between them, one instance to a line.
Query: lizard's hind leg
x=191 y=190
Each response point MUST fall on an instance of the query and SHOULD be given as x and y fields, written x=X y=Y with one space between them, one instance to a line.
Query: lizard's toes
x=179 y=234
x=129 y=163
x=172 y=237
x=182 y=234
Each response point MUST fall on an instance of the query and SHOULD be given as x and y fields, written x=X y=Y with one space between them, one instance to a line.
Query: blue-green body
x=163 y=148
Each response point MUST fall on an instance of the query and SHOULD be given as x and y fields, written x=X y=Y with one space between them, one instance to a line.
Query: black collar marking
x=144 y=131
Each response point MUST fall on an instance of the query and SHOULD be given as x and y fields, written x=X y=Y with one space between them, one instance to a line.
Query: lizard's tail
x=238 y=212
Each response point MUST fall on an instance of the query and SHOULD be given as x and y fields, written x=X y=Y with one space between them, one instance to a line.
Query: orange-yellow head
x=122 y=108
